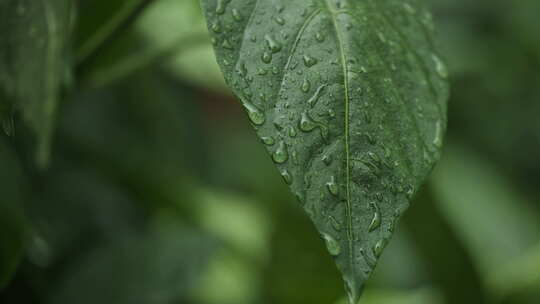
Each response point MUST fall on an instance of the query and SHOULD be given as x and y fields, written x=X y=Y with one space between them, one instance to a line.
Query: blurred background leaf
x=34 y=52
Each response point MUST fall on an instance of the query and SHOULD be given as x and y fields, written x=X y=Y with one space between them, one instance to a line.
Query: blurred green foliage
x=159 y=192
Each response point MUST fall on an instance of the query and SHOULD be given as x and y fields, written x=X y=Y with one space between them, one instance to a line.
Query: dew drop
x=292 y=132
x=256 y=116
x=281 y=155
x=216 y=27
x=376 y=221
x=335 y=224
x=8 y=126
x=309 y=61
x=236 y=15
x=379 y=247
x=313 y=100
x=327 y=159
x=221 y=6
x=440 y=67
x=332 y=186
x=306 y=123
x=438 y=140
x=272 y=44
x=286 y=176
x=332 y=245
x=227 y=45
x=280 y=20
x=319 y=37
x=306 y=86
x=266 y=57
x=268 y=140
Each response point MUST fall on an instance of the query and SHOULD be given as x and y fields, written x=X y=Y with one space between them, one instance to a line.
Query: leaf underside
x=33 y=44
x=350 y=99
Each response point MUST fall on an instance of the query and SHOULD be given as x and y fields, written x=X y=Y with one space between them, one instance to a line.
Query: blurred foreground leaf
x=33 y=63
x=13 y=225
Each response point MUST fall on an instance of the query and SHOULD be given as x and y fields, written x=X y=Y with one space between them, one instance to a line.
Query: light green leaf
x=496 y=222
x=420 y=296
x=33 y=48
x=350 y=99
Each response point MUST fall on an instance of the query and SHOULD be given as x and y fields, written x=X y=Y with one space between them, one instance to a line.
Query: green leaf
x=162 y=265
x=350 y=99
x=33 y=48
x=419 y=296
x=14 y=232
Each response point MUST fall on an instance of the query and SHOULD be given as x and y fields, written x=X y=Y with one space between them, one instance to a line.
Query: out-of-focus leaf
x=13 y=225
x=186 y=51
x=161 y=266
x=420 y=296
x=518 y=276
x=243 y=226
x=196 y=65
x=350 y=100
x=496 y=222
x=34 y=62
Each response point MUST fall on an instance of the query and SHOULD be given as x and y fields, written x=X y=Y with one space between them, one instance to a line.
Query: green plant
x=128 y=177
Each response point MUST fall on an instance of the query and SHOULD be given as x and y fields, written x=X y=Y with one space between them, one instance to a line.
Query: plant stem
x=139 y=61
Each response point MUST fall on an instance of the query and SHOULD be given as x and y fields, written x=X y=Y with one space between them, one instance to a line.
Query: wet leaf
x=350 y=99
x=33 y=48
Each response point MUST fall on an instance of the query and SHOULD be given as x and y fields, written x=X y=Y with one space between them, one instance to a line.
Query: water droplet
x=272 y=44
x=262 y=71
x=280 y=20
x=376 y=221
x=438 y=139
x=309 y=61
x=292 y=132
x=266 y=57
x=306 y=123
x=440 y=67
x=379 y=247
x=335 y=224
x=332 y=245
x=332 y=186
x=256 y=116
x=236 y=15
x=216 y=27
x=313 y=100
x=319 y=37
x=281 y=155
x=327 y=159
x=221 y=6
x=306 y=86
x=8 y=126
x=286 y=176
x=227 y=45
x=268 y=140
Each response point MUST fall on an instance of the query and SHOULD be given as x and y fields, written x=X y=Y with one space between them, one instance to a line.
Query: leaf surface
x=350 y=99
x=33 y=48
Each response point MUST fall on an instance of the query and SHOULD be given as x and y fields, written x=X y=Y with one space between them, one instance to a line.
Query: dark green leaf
x=33 y=48
x=350 y=99
x=13 y=232
x=160 y=266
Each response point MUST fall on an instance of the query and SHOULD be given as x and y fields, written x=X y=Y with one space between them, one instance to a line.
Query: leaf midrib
x=350 y=226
